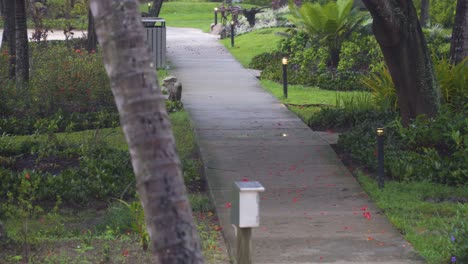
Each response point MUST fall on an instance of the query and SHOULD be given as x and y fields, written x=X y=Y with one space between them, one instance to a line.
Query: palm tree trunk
x=22 y=49
x=397 y=30
x=459 y=43
x=9 y=34
x=146 y=126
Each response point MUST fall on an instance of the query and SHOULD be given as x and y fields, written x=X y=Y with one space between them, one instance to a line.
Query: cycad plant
x=331 y=23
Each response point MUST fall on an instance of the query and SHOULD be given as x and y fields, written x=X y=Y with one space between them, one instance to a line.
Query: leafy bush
x=453 y=81
x=76 y=173
x=428 y=150
x=308 y=66
x=438 y=41
x=340 y=118
x=71 y=80
x=330 y=23
x=380 y=83
x=58 y=122
x=442 y=12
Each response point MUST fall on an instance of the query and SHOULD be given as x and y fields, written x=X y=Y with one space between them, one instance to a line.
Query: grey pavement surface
x=312 y=209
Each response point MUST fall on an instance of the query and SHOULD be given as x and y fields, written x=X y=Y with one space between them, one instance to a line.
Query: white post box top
x=250 y=186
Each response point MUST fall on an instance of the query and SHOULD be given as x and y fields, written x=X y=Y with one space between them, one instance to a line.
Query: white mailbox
x=245 y=204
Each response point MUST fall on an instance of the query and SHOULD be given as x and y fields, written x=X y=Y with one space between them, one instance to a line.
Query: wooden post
x=243 y=245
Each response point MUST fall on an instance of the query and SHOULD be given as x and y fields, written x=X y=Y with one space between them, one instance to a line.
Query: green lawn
x=300 y=95
x=248 y=45
x=193 y=14
x=427 y=224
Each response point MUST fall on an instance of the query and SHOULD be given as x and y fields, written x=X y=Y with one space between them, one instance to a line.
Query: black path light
x=380 y=156
x=149 y=7
x=216 y=16
x=285 y=76
x=232 y=34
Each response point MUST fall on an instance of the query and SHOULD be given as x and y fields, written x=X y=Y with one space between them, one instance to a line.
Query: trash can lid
x=152 y=19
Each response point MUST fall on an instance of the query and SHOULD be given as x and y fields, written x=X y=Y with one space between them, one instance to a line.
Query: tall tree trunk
x=397 y=30
x=424 y=17
x=459 y=43
x=157 y=5
x=91 y=44
x=22 y=49
x=9 y=35
x=148 y=131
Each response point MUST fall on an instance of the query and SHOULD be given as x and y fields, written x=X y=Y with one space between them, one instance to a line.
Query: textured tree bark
x=157 y=5
x=91 y=44
x=9 y=35
x=459 y=43
x=397 y=30
x=22 y=49
x=146 y=126
x=424 y=17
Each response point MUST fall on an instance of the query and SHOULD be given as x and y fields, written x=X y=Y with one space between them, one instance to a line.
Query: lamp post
x=216 y=16
x=285 y=76
x=380 y=156
x=232 y=34
x=149 y=8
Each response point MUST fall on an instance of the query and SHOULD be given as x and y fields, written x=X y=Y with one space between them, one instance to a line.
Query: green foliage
x=253 y=43
x=428 y=150
x=427 y=214
x=29 y=218
x=453 y=80
x=438 y=41
x=380 y=83
x=345 y=118
x=331 y=23
x=309 y=66
x=442 y=12
x=174 y=106
x=69 y=79
x=75 y=172
x=137 y=224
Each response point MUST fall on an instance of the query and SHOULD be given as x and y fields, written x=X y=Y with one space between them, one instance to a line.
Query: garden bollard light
x=380 y=156
x=149 y=8
x=232 y=34
x=285 y=76
x=216 y=16
x=245 y=209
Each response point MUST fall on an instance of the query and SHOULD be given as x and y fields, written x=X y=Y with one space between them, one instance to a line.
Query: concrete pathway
x=312 y=209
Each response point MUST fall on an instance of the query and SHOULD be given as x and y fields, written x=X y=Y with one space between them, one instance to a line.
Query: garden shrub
x=438 y=41
x=71 y=80
x=428 y=150
x=308 y=62
x=76 y=173
x=442 y=12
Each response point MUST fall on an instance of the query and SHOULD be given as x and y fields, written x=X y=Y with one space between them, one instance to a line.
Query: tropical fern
x=453 y=80
x=383 y=90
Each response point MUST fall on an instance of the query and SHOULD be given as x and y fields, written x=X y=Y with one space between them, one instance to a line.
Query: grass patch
x=105 y=232
x=305 y=95
x=253 y=43
x=188 y=14
x=427 y=225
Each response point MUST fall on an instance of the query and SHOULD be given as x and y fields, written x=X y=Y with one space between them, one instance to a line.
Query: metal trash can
x=155 y=29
